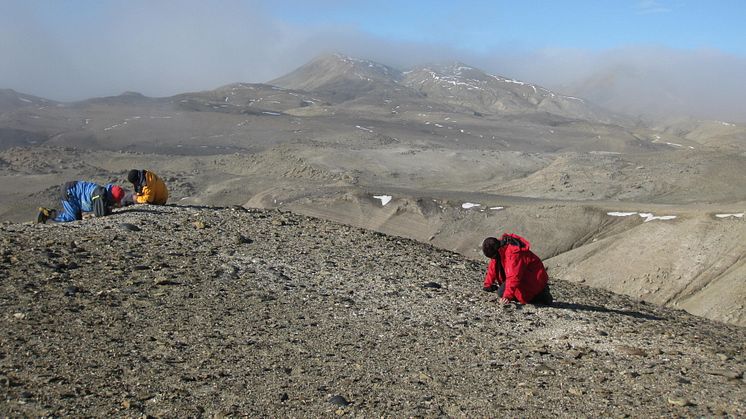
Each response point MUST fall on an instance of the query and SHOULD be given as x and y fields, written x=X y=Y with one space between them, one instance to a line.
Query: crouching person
x=149 y=188
x=81 y=196
x=514 y=271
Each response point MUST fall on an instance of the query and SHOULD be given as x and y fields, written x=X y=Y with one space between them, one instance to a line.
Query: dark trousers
x=544 y=297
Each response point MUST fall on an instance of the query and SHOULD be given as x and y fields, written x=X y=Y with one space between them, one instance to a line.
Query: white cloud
x=646 y=7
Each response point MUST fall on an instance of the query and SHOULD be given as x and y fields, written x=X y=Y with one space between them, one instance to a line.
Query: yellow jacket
x=154 y=191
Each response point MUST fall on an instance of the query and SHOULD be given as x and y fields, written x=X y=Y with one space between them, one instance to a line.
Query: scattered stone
x=631 y=350
x=241 y=239
x=71 y=291
x=199 y=225
x=679 y=402
x=165 y=281
x=339 y=401
x=733 y=375
x=434 y=285
x=284 y=397
x=129 y=227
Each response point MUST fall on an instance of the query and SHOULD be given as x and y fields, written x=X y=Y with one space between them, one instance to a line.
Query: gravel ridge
x=188 y=311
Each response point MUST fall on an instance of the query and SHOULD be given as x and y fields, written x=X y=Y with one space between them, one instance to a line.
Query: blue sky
x=481 y=25
x=75 y=49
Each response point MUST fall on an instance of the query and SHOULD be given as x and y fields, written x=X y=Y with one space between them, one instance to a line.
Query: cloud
x=646 y=7
x=161 y=48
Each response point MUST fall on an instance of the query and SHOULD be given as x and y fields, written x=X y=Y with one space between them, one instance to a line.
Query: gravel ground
x=190 y=311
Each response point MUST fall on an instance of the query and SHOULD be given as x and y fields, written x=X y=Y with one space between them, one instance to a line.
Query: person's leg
x=70 y=212
x=544 y=297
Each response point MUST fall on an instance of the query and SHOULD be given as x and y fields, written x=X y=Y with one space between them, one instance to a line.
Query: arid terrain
x=184 y=311
x=637 y=221
x=650 y=210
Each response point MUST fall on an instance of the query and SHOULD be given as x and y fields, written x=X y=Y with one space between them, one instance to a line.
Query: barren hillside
x=191 y=311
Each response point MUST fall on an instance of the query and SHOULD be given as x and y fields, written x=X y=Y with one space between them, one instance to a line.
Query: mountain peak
x=339 y=73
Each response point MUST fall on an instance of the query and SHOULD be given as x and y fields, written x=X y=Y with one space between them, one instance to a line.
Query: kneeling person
x=80 y=196
x=515 y=272
x=149 y=188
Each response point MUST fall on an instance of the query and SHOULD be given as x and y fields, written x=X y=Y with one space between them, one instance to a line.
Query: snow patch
x=650 y=217
x=364 y=129
x=646 y=215
x=497 y=208
x=385 y=199
x=739 y=215
x=620 y=214
x=467 y=205
x=272 y=113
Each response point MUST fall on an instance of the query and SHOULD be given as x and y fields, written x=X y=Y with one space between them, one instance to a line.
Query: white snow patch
x=620 y=214
x=272 y=113
x=646 y=215
x=363 y=129
x=25 y=100
x=439 y=126
x=467 y=205
x=675 y=145
x=650 y=217
x=385 y=199
x=739 y=215
x=497 y=208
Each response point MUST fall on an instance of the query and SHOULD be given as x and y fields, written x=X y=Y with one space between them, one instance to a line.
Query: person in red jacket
x=515 y=272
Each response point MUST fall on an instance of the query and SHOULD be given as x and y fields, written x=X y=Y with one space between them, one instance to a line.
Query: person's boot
x=45 y=214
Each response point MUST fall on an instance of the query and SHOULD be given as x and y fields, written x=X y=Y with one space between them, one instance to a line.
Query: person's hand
x=129 y=199
x=504 y=301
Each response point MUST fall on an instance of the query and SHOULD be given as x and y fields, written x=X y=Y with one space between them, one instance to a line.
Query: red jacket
x=523 y=273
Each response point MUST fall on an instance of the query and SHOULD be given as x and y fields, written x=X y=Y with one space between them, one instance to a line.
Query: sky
x=638 y=56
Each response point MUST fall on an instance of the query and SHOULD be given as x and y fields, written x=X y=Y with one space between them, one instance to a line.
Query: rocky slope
x=196 y=311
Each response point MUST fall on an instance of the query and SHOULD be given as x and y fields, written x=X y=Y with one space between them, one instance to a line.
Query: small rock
x=164 y=281
x=679 y=402
x=631 y=350
x=19 y=316
x=278 y=223
x=434 y=285
x=241 y=239
x=71 y=291
x=339 y=401
x=199 y=225
x=284 y=397
x=575 y=391
x=129 y=227
x=733 y=375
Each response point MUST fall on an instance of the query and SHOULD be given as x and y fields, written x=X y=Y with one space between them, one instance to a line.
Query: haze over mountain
x=457 y=153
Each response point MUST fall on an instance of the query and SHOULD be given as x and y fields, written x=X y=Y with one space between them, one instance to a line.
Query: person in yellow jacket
x=149 y=188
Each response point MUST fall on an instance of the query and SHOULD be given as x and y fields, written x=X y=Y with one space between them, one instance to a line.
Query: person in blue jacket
x=80 y=196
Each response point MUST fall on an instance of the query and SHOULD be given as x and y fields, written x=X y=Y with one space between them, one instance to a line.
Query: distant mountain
x=454 y=84
x=342 y=77
x=11 y=100
x=462 y=85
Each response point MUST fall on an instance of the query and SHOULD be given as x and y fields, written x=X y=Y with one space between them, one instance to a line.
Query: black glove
x=491 y=288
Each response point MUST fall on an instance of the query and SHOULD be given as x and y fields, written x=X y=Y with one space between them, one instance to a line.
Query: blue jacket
x=78 y=200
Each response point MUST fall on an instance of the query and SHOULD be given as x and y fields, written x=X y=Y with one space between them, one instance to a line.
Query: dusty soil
x=192 y=311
